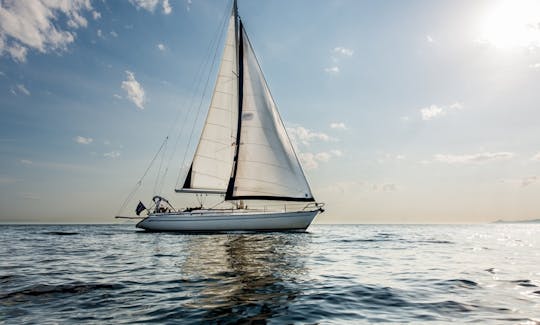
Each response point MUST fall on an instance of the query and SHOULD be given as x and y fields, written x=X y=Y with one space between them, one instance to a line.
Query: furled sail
x=266 y=165
x=210 y=170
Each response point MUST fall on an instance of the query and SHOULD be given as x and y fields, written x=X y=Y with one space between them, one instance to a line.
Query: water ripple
x=332 y=274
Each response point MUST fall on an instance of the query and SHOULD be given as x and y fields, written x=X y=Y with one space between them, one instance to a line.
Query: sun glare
x=511 y=24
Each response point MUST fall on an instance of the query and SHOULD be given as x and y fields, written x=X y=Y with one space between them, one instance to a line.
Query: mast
x=240 y=68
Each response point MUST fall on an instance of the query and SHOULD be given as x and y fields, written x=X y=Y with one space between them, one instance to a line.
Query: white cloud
x=343 y=51
x=96 y=15
x=429 y=39
x=134 y=90
x=114 y=34
x=387 y=157
x=112 y=154
x=149 y=5
x=388 y=187
x=526 y=181
x=100 y=33
x=311 y=160
x=188 y=5
x=17 y=52
x=473 y=158
x=36 y=25
x=117 y=96
x=431 y=112
x=167 y=9
x=21 y=89
x=356 y=186
x=26 y=162
x=334 y=69
x=83 y=140
x=536 y=157
x=338 y=125
x=435 y=111
x=300 y=134
x=161 y=47
x=535 y=66
x=522 y=182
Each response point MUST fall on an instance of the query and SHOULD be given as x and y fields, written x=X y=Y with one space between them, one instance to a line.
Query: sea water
x=101 y=274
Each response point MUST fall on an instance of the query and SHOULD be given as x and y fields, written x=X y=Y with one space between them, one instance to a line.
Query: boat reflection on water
x=244 y=277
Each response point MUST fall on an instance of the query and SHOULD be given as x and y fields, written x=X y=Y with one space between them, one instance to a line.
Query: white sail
x=212 y=163
x=267 y=167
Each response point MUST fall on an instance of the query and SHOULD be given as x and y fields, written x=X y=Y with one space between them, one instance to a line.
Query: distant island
x=519 y=221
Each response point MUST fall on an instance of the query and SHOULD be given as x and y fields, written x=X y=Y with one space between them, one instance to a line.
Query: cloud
x=134 y=90
x=36 y=25
x=311 y=160
x=387 y=187
x=334 y=69
x=522 y=182
x=117 y=96
x=188 y=5
x=100 y=33
x=150 y=5
x=343 y=187
x=161 y=47
x=7 y=180
x=26 y=162
x=338 y=125
x=343 y=51
x=20 y=89
x=167 y=9
x=536 y=157
x=535 y=66
x=300 y=134
x=386 y=157
x=429 y=39
x=337 y=53
x=431 y=112
x=483 y=157
x=526 y=181
x=114 y=34
x=112 y=154
x=96 y=15
x=82 y=140
x=435 y=111
x=28 y=196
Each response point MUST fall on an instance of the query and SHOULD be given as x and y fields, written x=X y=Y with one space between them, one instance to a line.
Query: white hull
x=221 y=221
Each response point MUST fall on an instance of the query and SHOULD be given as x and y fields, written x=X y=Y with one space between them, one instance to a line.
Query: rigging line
x=200 y=104
x=156 y=191
x=198 y=81
x=139 y=183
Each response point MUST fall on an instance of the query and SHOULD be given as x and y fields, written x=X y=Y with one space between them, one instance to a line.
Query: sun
x=511 y=24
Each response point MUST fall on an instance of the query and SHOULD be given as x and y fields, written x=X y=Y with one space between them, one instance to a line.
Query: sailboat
x=244 y=154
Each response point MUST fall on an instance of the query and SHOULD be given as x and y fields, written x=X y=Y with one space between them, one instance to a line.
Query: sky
x=401 y=111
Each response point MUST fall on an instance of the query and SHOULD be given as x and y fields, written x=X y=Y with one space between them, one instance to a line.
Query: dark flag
x=140 y=208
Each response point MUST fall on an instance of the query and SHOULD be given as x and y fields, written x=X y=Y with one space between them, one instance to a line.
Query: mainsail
x=244 y=150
